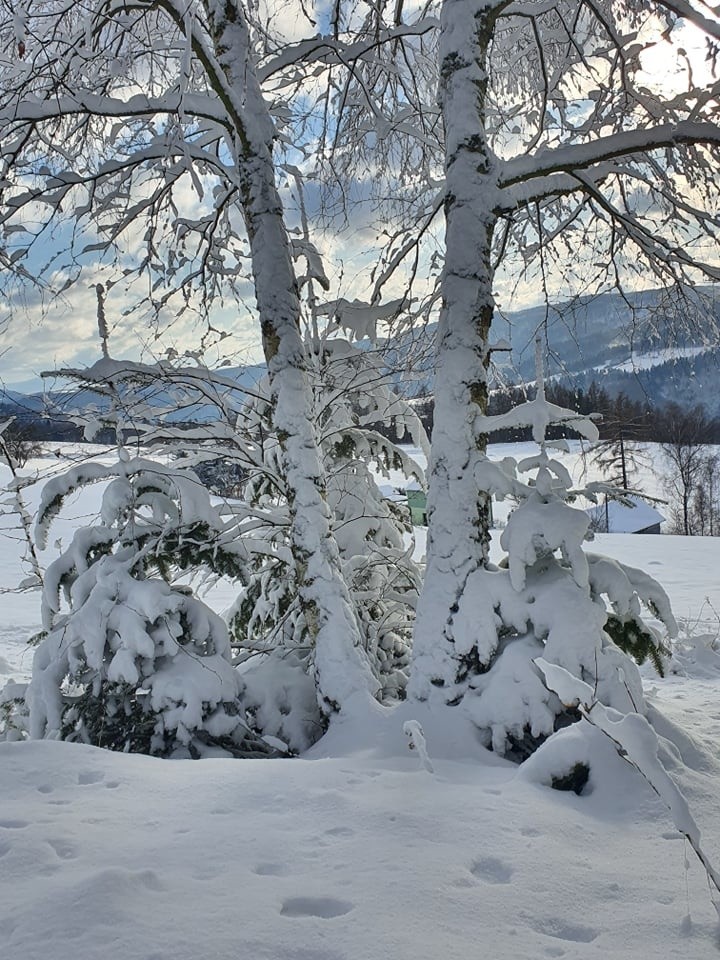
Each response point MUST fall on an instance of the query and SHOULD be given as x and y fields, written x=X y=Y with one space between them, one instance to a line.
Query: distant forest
x=620 y=415
x=686 y=380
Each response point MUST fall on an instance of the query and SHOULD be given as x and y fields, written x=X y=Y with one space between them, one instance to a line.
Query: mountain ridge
x=618 y=341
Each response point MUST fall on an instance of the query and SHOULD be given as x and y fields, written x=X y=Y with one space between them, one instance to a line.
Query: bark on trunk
x=341 y=665
x=458 y=511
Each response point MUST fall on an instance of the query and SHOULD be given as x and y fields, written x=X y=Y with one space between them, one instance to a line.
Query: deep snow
x=357 y=851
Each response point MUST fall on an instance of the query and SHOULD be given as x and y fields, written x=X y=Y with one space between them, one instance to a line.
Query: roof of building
x=392 y=493
x=624 y=519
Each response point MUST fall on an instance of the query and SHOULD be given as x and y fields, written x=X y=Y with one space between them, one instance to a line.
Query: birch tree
x=559 y=148
x=112 y=115
x=569 y=164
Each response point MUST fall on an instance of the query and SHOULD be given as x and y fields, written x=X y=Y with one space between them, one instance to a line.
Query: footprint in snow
x=63 y=849
x=270 y=870
x=90 y=776
x=14 y=824
x=324 y=907
x=491 y=870
x=562 y=930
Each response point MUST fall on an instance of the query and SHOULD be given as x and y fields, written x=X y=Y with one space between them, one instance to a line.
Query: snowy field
x=355 y=852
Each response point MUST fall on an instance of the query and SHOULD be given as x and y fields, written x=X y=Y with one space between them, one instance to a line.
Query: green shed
x=417 y=502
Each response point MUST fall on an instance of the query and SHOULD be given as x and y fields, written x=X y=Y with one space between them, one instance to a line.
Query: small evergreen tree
x=549 y=599
x=129 y=660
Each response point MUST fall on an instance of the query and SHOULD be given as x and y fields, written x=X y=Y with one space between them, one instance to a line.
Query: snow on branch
x=332 y=51
x=36 y=109
x=361 y=319
x=579 y=156
x=539 y=414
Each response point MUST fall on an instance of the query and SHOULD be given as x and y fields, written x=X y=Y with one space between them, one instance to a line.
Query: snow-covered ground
x=356 y=852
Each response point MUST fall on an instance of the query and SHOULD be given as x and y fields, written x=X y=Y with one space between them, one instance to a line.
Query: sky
x=63 y=331
x=44 y=330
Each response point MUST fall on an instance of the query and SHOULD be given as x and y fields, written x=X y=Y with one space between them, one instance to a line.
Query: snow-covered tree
x=13 y=708
x=129 y=660
x=113 y=117
x=618 y=458
x=689 y=477
x=556 y=137
x=352 y=398
x=549 y=598
x=571 y=164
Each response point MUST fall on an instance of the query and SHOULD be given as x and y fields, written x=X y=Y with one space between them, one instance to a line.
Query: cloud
x=49 y=332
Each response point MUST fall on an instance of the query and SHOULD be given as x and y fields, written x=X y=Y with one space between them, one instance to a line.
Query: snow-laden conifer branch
x=539 y=414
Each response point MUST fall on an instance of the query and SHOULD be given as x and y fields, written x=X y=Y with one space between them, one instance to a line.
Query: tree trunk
x=623 y=463
x=340 y=663
x=458 y=511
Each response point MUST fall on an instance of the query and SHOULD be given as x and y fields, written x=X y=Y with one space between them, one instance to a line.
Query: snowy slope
x=355 y=852
x=654 y=358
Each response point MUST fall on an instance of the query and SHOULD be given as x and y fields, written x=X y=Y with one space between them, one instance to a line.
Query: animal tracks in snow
x=563 y=930
x=324 y=907
x=491 y=870
x=271 y=870
x=90 y=776
x=340 y=832
x=63 y=849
